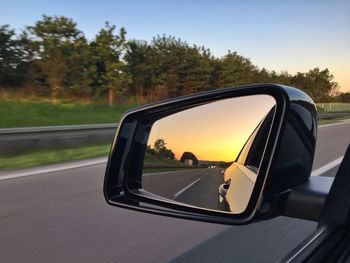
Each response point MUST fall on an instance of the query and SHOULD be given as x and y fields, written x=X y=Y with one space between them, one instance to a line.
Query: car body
x=240 y=176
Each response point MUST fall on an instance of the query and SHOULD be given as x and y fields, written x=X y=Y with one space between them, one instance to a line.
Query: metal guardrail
x=63 y=128
x=17 y=140
x=331 y=115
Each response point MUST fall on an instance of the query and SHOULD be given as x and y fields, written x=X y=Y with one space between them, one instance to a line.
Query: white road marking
x=188 y=186
x=54 y=168
x=327 y=167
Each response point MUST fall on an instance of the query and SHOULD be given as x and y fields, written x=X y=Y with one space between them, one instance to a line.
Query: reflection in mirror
x=209 y=156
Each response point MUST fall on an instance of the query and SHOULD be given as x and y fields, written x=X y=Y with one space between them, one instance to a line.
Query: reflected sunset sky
x=216 y=131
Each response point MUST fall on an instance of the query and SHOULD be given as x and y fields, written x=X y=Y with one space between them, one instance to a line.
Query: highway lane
x=332 y=141
x=62 y=216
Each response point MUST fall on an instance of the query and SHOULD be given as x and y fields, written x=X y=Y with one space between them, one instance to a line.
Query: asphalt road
x=62 y=217
x=332 y=142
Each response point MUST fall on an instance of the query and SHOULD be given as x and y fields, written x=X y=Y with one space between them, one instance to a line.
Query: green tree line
x=53 y=58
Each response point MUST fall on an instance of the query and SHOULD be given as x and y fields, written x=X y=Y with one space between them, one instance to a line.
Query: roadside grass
x=335 y=120
x=333 y=107
x=16 y=113
x=21 y=113
x=150 y=159
x=43 y=157
x=153 y=159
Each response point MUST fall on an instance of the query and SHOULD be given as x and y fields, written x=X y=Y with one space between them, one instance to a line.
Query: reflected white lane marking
x=327 y=167
x=189 y=186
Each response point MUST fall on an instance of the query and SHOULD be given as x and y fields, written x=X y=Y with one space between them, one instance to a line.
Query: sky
x=211 y=131
x=278 y=35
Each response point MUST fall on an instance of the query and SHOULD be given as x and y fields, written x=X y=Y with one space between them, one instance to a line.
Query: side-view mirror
x=225 y=156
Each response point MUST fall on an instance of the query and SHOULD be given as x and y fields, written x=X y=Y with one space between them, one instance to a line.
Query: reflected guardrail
x=171 y=166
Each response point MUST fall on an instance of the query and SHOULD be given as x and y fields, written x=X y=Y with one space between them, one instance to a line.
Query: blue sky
x=279 y=35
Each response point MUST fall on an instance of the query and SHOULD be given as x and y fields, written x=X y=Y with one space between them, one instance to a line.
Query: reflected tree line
x=53 y=58
x=160 y=151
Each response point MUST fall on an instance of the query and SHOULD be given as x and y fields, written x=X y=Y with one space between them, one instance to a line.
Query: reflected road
x=197 y=187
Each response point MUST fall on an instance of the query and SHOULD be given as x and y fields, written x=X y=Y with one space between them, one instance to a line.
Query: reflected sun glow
x=214 y=132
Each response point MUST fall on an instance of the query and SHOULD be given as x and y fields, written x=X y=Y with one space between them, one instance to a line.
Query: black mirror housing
x=286 y=161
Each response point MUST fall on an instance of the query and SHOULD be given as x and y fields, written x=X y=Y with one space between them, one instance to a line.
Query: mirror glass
x=209 y=156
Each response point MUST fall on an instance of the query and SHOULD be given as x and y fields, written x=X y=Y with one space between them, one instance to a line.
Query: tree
x=323 y=82
x=79 y=78
x=343 y=97
x=317 y=83
x=180 y=68
x=12 y=63
x=159 y=145
x=160 y=150
x=54 y=57
x=108 y=49
x=141 y=65
x=54 y=40
x=236 y=70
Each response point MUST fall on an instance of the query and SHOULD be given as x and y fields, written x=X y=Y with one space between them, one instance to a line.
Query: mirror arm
x=306 y=200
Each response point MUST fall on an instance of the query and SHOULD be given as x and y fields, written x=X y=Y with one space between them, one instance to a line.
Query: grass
x=16 y=113
x=20 y=113
x=335 y=120
x=153 y=159
x=150 y=159
x=333 y=107
x=43 y=157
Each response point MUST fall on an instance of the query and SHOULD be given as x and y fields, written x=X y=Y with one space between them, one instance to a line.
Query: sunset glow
x=215 y=131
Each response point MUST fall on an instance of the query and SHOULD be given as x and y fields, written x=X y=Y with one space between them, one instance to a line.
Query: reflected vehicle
x=240 y=176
